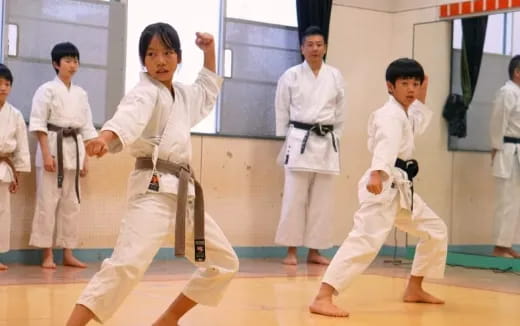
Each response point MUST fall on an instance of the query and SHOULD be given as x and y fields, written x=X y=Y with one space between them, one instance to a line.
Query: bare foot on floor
x=318 y=259
x=327 y=308
x=290 y=260
x=73 y=262
x=48 y=263
x=503 y=252
x=420 y=296
x=3 y=267
x=514 y=253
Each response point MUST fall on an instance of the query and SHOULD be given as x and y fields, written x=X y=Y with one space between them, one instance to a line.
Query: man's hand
x=83 y=172
x=13 y=187
x=493 y=153
x=375 y=182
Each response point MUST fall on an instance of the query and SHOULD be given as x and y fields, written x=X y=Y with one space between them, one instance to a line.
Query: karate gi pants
x=149 y=221
x=373 y=222
x=307 y=210
x=56 y=208
x=507 y=210
x=5 y=217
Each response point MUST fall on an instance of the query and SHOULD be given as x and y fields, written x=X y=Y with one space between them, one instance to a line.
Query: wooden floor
x=265 y=293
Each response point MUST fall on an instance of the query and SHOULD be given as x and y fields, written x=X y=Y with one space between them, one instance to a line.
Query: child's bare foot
x=291 y=258
x=503 y=252
x=323 y=305
x=415 y=293
x=3 y=267
x=420 y=296
x=326 y=307
x=48 y=259
x=70 y=260
x=514 y=253
x=73 y=262
x=314 y=257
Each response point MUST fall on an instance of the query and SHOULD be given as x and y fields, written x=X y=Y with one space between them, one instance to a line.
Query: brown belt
x=6 y=158
x=185 y=174
x=66 y=132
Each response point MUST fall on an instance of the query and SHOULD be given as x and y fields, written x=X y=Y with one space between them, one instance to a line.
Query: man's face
x=314 y=48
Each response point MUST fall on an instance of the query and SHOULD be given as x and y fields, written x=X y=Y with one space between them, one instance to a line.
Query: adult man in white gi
x=505 y=140
x=310 y=109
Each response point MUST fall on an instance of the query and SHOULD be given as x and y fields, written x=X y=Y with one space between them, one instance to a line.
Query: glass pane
x=280 y=12
x=495 y=34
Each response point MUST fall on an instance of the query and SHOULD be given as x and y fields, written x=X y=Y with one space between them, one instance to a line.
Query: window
x=260 y=44
x=255 y=45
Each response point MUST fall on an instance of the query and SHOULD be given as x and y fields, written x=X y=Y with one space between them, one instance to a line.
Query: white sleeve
x=21 y=156
x=203 y=95
x=282 y=104
x=502 y=107
x=40 y=111
x=340 y=106
x=87 y=130
x=386 y=136
x=132 y=115
x=420 y=116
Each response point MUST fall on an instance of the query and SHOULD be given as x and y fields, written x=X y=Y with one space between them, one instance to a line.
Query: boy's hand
x=205 y=41
x=13 y=187
x=375 y=183
x=423 y=89
x=83 y=172
x=493 y=153
x=49 y=164
x=96 y=147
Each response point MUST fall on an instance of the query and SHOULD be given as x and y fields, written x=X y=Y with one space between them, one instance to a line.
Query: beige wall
x=243 y=185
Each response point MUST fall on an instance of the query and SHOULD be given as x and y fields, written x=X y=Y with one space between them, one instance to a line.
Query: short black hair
x=404 y=68
x=167 y=34
x=312 y=30
x=514 y=64
x=5 y=73
x=61 y=50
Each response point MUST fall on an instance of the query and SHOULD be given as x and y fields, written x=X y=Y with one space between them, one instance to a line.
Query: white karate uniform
x=59 y=105
x=13 y=143
x=307 y=217
x=143 y=115
x=505 y=121
x=391 y=136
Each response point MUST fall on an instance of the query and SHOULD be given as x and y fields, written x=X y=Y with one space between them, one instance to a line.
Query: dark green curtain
x=313 y=12
x=473 y=38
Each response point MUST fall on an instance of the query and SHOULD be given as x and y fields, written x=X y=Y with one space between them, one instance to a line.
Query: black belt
x=185 y=174
x=411 y=167
x=318 y=129
x=66 y=132
x=512 y=140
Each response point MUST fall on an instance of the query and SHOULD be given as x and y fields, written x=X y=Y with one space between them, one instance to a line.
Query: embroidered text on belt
x=66 y=132
x=318 y=129
x=4 y=157
x=411 y=167
x=185 y=174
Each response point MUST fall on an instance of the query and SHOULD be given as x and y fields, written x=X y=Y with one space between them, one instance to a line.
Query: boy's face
x=160 y=61
x=314 y=48
x=67 y=67
x=5 y=89
x=405 y=90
